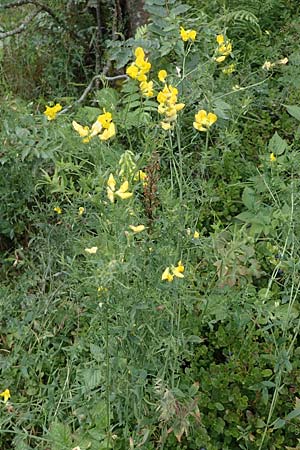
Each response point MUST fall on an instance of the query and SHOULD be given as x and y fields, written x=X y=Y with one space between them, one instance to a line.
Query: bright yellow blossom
x=57 y=209
x=203 y=121
x=187 y=34
x=137 y=229
x=6 y=395
x=102 y=127
x=140 y=67
x=162 y=75
x=91 y=251
x=168 y=275
x=272 y=157
x=81 y=210
x=196 y=235
x=224 y=49
x=51 y=111
x=167 y=99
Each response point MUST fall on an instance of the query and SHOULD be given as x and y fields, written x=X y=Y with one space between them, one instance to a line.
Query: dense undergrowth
x=150 y=268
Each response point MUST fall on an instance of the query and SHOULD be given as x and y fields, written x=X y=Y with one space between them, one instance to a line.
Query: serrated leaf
x=294 y=111
x=248 y=198
x=107 y=98
x=277 y=145
x=60 y=436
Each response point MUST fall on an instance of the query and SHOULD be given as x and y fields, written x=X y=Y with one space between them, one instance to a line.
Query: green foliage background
x=97 y=351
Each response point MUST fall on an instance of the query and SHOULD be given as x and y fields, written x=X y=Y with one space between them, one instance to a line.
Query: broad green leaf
x=294 y=111
x=277 y=145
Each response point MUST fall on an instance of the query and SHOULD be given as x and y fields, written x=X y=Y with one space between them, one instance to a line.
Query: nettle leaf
x=249 y=198
x=294 y=111
x=277 y=145
x=60 y=436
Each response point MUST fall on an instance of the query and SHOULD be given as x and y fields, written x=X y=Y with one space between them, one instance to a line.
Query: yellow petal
x=110 y=195
x=162 y=75
x=82 y=131
x=165 y=125
x=6 y=395
x=220 y=39
x=124 y=195
x=108 y=133
x=137 y=229
x=81 y=210
x=111 y=182
x=167 y=276
x=220 y=59
x=91 y=251
x=96 y=128
x=139 y=53
x=196 y=235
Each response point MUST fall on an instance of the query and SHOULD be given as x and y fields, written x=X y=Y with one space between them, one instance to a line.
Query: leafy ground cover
x=149 y=242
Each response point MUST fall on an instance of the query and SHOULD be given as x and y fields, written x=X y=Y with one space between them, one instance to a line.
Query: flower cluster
x=51 y=111
x=169 y=274
x=224 y=49
x=103 y=127
x=167 y=99
x=204 y=120
x=138 y=71
x=187 y=34
x=122 y=192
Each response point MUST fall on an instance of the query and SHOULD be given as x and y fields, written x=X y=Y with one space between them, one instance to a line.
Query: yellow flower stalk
x=168 y=107
x=6 y=395
x=137 y=229
x=140 y=67
x=204 y=120
x=187 y=34
x=51 y=111
x=91 y=251
x=228 y=70
x=224 y=49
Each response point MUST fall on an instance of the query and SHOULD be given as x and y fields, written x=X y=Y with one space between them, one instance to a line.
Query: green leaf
x=248 y=198
x=279 y=423
x=60 y=436
x=107 y=98
x=277 y=145
x=294 y=111
x=293 y=414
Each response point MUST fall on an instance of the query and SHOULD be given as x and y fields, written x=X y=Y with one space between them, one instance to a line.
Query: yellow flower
x=224 y=49
x=178 y=270
x=196 y=235
x=82 y=131
x=147 y=88
x=108 y=133
x=220 y=39
x=187 y=34
x=137 y=229
x=6 y=395
x=122 y=192
x=139 y=53
x=140 y=176
x=165 y=125
x=162 y=75
x=91 y=251
x=203 y=121
x=105 y=119
x=132 y=71
x=167 y=276
x=51 y=111
x=57 y=209
x=81 y=210
x=272 y=157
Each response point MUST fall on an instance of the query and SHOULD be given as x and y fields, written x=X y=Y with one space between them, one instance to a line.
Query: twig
x=89 y=87
x=43 y=7
x=21 y=27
